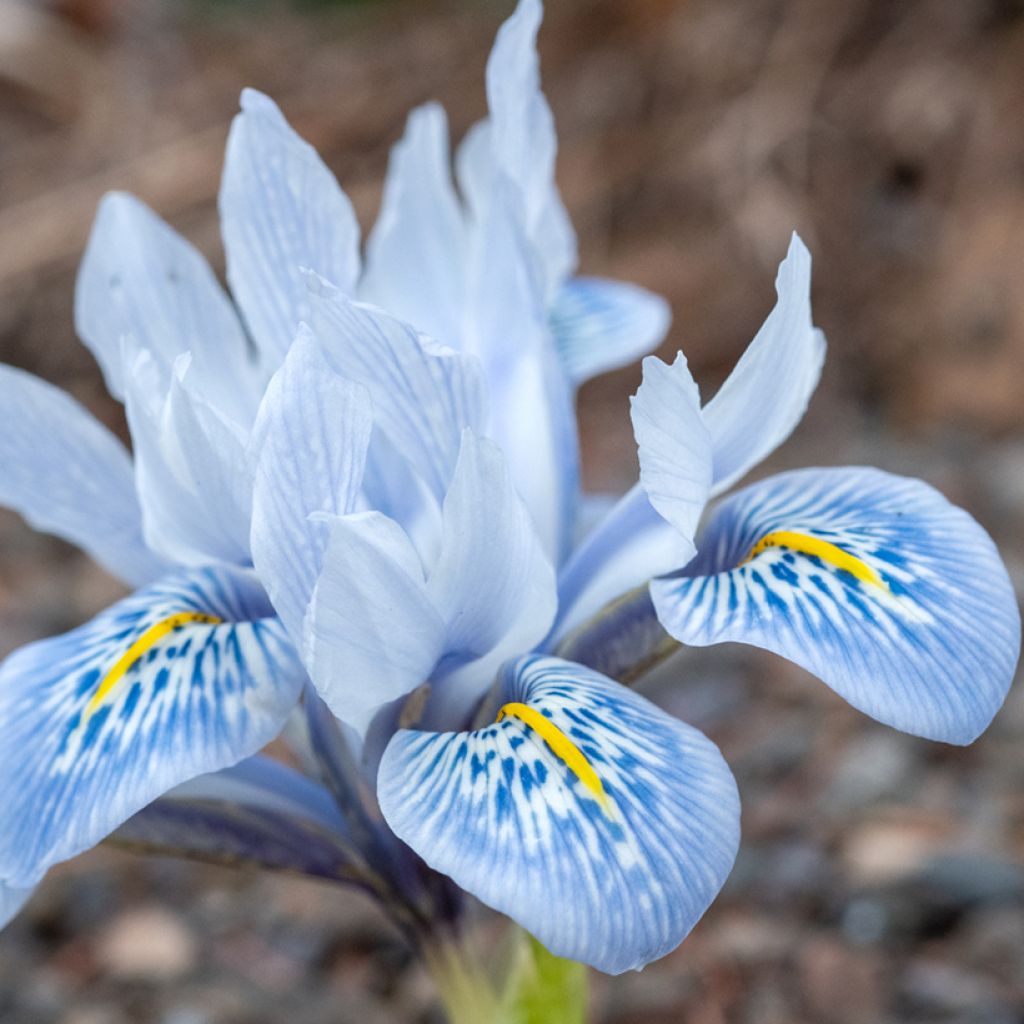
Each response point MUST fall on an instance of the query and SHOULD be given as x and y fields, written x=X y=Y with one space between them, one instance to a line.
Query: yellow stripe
x=808 y=545
x=562 y=747
x=153 y=635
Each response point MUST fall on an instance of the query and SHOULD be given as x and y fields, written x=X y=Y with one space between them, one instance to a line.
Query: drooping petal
x=492 y=582
x=308 y=450
x=281 y=211
x=650 y=530
x=424 y=394
x=68 y=475
x=602 y=825
x=140 y=279
x=185 y=677
x=766 y=394
x=373 y=633
x=875 y=583
x=602 y=325
x=191 y=473
x=415 y=256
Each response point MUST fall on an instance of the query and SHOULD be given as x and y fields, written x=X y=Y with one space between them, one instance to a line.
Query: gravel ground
x=881 y=878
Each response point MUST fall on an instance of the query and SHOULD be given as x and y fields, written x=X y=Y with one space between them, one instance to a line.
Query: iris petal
x=281 y=211
x=602 y=825
x=415 y=256
x=68 y=475
x=183 y=678
x=602 y=325
x=765 y=396
x=875 y=583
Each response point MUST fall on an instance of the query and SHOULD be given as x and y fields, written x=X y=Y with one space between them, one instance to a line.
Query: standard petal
x=307 y=409
x=875 y=583
x=674 y=446
x=585 y=813
x=373 y=633
x=424 y=395
x=68 y=475
x=650 y=530
x=492 y=582
x=522 y=143
x=141 y=280
x=765 y=396
x=602 y=325
x=185 y=677
x=531 y=404
x=281 y=211
x=191 y=473
x=415 y=256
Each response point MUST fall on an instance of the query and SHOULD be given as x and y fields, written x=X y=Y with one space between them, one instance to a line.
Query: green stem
x=529 y=987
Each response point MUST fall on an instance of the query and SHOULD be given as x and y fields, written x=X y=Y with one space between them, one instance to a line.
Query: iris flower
x=356 y=488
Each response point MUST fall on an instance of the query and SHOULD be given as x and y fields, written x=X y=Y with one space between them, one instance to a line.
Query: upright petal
x=307 y=409
x=532 y=415
x=651 y=528
x=602 y=325
x=373 y=633
x=585 y=813
x=68 y=475
x=424 y=395
x=281 y=211
x=766 y=394
x=492 y=583
x=185 y=677
x=875 y=583
x=139 y=279
x=519 y=142
x=191 y=473
x=415 y=256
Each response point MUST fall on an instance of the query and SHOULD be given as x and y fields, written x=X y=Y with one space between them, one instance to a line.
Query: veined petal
x=68 y=475
x=531 y=403
x=373 y=633
x=674 y=446
x=522 y=144
x=183 y=678
x=191 y=473
x=492 y=582
x=875 y=583
x=140 y=279
x=424 y=395
x=602 y=825
x=415 y=256
x=601 y=325
x=281 y=211
x=766 y=394
x=308 y=450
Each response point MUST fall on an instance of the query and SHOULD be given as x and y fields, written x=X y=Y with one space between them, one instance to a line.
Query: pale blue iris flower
x=365 y=487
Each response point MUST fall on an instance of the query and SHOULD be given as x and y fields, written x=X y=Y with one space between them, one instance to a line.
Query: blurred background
x=881 y=878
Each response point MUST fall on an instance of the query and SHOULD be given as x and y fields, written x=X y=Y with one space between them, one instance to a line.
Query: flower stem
x=624 y=640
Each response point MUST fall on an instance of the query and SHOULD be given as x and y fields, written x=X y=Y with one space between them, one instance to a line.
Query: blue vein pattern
x=200 y=698
x=613 y=883
x=929 y=646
